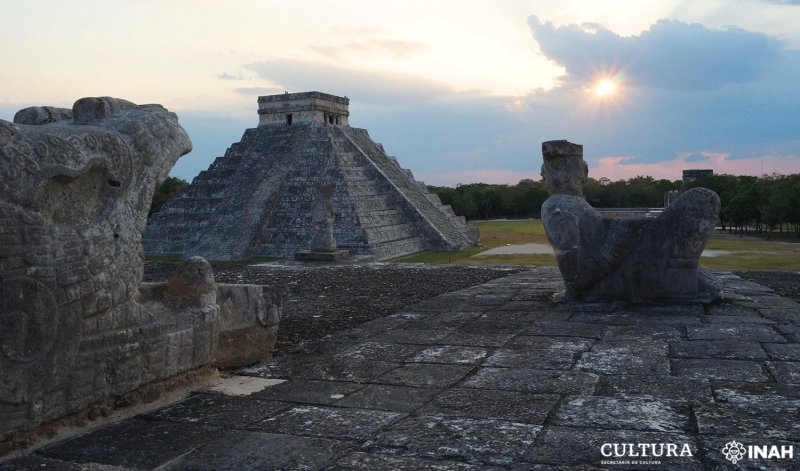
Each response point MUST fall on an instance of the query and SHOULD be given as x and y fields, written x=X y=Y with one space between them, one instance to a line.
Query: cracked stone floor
x=491 y=377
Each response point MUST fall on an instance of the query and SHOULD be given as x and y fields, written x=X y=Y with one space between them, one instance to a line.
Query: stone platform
x=321 y=255
x=492 y=377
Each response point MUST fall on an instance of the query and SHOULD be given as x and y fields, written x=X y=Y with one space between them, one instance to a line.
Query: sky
x=459 y=91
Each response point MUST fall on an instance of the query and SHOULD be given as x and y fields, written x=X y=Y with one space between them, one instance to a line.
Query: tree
x=168 y=190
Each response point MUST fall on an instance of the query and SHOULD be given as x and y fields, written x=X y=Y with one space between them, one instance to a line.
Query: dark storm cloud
x=670 y=55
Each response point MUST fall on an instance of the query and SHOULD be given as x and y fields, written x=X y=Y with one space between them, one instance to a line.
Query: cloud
x=377 y=87
x=696 y=158
x=227 y=76
x=447 y=138
x=395 y=48
x=258 y=90
x=669 y=55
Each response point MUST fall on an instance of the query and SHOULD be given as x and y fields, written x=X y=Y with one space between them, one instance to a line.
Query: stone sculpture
x=642 y=260
x=323 y=215
x=76 y=324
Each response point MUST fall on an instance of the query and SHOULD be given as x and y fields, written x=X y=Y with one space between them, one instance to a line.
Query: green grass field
x=494 y=234
x=743 y=253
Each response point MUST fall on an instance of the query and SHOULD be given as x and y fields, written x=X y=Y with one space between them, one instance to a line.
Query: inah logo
x=734 y=451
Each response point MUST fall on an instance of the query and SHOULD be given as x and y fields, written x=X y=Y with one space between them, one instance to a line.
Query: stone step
x=414 y=191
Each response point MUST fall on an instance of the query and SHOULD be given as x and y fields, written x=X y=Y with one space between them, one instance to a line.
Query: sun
x=605 y=87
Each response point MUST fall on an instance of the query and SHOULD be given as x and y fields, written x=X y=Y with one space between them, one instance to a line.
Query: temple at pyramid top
x=302 y=108
x=256 y=200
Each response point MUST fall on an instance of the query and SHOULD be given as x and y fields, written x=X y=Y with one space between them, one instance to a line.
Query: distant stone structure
x=256 y=200
x=694 y=174
x=76 y=325
x=670 y=196
x=642 y=260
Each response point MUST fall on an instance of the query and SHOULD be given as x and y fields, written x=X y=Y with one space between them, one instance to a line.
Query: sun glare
x=604 y=88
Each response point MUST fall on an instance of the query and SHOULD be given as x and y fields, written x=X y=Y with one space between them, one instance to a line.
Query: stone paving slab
x=328 y=422
x=241 y=450
x=475 y=441
x=309 y=391
x=451 y=354
x=665 y=387
x=368 y=462
x=133 y=443
x=724 y=349
x=729 y=370
x=390 y=398
x=492 y=377
x=492 y=404
x=217 y=410
x=542 y=359
x=764 y=421
x=533 y=381
x=630 y=413
x=425 y=376
x=37 y=462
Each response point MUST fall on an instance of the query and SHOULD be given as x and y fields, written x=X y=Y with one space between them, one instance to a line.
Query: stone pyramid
x=256 y=200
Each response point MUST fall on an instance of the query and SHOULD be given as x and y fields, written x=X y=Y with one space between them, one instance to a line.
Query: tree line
x=762 y=204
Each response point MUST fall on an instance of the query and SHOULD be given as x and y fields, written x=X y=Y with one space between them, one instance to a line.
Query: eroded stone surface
x=390 y=398
x=425 y=375
x=243 y=450
x=156 y=443
x=471 y=440
x=456 y=355
x=217 y=410
x=667 y=387
x=329 y=422
x=492 y=404
x=630 y=413
x=309 y=391
x=336 y=369
x=762 y=420
x=376 y=462
x=533 y=381
x=728 y=370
